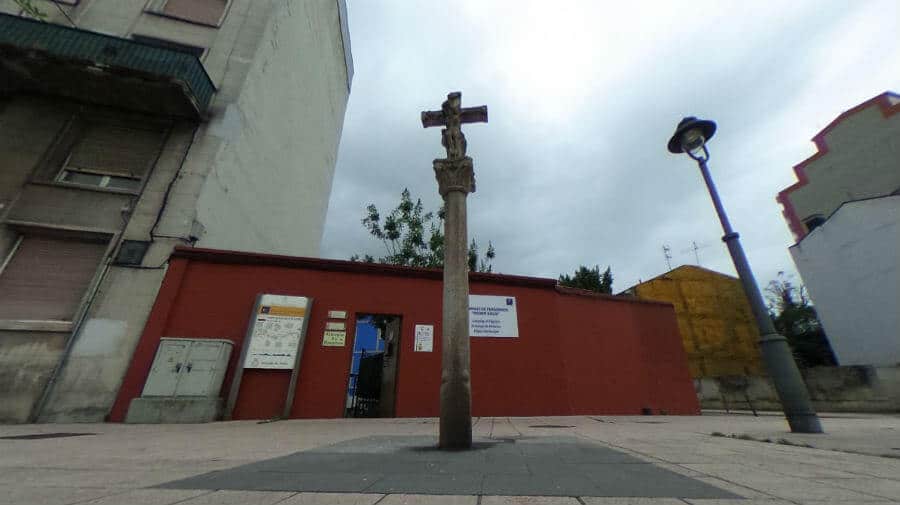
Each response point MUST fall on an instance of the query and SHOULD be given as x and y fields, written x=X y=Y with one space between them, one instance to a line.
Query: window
x=109 y=155
x=204 y=12
x=814 y=221
x=168 y=44
x=88 y=178
x=45 y=276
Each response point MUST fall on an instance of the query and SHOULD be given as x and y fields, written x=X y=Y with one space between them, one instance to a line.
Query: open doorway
x=371 y=389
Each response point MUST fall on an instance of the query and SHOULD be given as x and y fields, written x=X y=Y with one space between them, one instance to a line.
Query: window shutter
x=200 y=11
x=47 y=277
x=115 y=149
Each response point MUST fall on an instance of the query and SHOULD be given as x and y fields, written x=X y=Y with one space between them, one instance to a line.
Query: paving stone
x=148 y=497
x=19 y=495
x=642 y=501
x=339 y=482
x=528 y=500
x=646 y=480
x=884 y=488
x=539 y=485
x=424 y=499
x=238 y=498
x=333 y=499
x=704 y=501
x=736 y=489
x=428 y=484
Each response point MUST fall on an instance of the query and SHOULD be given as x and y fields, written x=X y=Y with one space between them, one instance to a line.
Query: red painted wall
x=576 y=353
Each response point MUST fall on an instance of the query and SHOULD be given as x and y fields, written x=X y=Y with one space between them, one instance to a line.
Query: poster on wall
x=278 y=328
x=493 y=316
x=334 y=338
x=424 y=338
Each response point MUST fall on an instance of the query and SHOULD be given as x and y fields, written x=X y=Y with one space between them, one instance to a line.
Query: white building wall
x=271 y=180
x=851 y=267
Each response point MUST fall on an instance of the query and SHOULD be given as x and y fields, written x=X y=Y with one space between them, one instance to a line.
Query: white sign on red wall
x=278 y=328
x=493 y=316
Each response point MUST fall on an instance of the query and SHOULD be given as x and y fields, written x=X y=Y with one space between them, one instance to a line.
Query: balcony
x=50 y=59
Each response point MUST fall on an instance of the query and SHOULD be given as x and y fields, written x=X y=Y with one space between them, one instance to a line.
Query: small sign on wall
x=333 y=338
x=424 y=338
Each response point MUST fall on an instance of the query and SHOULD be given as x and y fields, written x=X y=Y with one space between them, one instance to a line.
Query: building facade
x=851 y=267
x=858 y=157
x=717 y=327
x=128 y=127
x=843 y=211
x=573 y=352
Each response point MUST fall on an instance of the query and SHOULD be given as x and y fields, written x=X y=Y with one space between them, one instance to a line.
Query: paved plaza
x=715 y=459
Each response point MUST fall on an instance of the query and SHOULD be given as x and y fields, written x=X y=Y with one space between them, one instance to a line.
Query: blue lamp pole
x=691 y=137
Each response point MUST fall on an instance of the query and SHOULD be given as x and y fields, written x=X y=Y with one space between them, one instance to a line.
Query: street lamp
x=691 y=137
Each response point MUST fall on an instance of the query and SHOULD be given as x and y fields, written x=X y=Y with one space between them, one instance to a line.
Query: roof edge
x=716 y=272
x=221 y=256
x=333 y=265
x=887 y=107
x=846 y=203
x=586 y=293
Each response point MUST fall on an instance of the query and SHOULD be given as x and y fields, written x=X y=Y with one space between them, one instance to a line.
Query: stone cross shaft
x=456 y=179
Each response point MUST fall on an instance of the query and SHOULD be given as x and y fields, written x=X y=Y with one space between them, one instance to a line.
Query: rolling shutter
x=201 y=11
x=47 y=277
x=115 y=150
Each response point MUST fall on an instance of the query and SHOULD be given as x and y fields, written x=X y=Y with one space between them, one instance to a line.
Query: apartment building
x=128 y=127
x=844 y=211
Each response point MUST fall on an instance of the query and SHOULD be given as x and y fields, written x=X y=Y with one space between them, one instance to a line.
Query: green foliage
x=797 y=320
x=590 y=279
x=477 y=264
x=415 y=238
x=30 y=9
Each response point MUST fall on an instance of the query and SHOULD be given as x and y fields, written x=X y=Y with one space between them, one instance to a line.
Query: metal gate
x=368 y=386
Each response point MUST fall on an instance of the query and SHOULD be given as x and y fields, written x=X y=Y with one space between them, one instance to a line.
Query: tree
x=403 y=233
x=796 y=319
x=590 y=279
x=30 y=9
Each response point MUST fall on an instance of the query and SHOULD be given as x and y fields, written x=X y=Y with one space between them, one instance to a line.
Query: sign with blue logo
x=493 y=316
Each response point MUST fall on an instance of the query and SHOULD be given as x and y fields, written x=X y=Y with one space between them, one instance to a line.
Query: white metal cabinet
x=188 y=367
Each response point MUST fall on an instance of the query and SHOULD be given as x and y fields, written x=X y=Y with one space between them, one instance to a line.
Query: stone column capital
x=455 y=175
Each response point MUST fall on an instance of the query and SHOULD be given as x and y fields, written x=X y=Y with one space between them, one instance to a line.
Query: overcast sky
x=572 y=168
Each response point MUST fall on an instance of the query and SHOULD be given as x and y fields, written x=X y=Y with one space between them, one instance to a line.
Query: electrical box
x=185 y=367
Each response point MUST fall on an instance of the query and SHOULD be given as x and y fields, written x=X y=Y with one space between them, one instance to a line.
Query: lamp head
x=691 y=136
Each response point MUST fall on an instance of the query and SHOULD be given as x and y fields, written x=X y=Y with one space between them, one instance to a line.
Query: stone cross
x=453 y=117
x=456 y=179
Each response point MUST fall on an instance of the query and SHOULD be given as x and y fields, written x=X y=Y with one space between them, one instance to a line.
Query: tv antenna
x=667 y=252
x=696 y=248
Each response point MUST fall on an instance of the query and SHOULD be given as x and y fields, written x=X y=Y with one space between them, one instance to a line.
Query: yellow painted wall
x=716 y=324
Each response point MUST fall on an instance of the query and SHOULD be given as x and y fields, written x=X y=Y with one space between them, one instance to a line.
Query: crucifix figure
x=456 y=179
x=453 y=116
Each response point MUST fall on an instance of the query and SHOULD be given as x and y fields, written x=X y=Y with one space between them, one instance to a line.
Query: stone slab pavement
x=588 y=460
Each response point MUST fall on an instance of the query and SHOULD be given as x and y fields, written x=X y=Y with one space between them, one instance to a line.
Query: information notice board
x=279 y=326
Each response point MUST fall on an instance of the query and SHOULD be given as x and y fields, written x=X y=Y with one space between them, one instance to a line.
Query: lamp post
x=691 y=137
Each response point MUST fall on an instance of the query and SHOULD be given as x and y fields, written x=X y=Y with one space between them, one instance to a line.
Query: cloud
x=572 y=167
